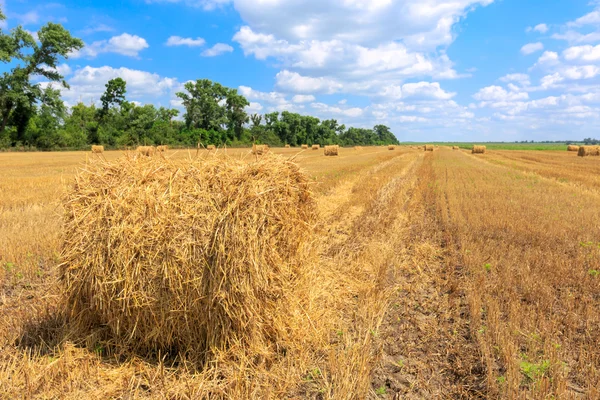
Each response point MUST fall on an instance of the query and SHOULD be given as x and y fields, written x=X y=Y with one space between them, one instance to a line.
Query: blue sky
x=448 y=70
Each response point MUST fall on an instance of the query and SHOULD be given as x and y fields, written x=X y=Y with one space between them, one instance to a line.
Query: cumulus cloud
x=586 y=53
x=217 y=50
x=125 y=44
x=88 y=84
x=204 y=4
x=498 y=93
x=531 y=48
x=541 y=28
x=303 y=98
x=181 y=41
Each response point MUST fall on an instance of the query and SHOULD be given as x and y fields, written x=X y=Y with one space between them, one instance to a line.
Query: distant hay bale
x=585 y=151
x=259 y=149
x=304 y=147
x=316 y=147
x=455 y=148
x=98 y=149
x=428 y=147
x=161 y=149
x=210 y=147
x=287 y=146
x=332 y=150
x=478 y=149
x=146 y=150
x=187 y=256
x=390 y=147
x=572 y=148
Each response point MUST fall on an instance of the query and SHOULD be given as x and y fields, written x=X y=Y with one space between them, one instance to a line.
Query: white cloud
x=294 y=82
x=88 y=84
x=418 y=24
x=125 y=44
x=353 y=112
x=181 y=41
x=302 y=98
x=531 y=48
x=523 y=79
x=576 y=37
x=592 y=18
x=217 y=50
x=548 y=57
x=582 y=53
x=498 y=93
x=419 y=90
x=204 y=4
x=541 y=28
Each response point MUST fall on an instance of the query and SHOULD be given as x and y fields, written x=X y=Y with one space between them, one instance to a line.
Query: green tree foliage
x=114 y=94
x=18 y=95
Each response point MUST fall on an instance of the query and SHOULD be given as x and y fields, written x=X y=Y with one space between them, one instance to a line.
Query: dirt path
x=427 y=350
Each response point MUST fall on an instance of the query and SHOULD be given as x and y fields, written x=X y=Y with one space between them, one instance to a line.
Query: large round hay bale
x=211 y=147
x=162 y=149
x=331 y=150
x=304 y=147
x=186 y=255
x=98 y=149
x=455 y=148
x=478 y=149
x=146 y=150
x=428 y=147
x=316 y=147
x=585 y=151
x=572 y=147
x=287 y=146
x=391 y=147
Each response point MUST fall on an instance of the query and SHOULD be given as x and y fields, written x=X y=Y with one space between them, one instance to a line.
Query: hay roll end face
x=193 y=257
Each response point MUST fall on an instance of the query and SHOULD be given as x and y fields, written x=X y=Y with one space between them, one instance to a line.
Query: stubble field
x=432 y=275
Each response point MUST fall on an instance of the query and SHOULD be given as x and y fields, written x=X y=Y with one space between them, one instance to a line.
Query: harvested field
x=423 y=275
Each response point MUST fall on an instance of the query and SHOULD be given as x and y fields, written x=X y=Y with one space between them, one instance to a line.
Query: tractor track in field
x=427 y=348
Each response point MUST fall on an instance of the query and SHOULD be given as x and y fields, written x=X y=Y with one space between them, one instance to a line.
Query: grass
x=436 y=275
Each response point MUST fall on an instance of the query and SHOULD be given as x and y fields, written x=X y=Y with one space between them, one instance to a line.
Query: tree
x=114 y=94
x=203 y=104
x=17 y=93
x=236 y=114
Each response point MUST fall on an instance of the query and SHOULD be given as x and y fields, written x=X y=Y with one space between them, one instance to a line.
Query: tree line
x=33 y=114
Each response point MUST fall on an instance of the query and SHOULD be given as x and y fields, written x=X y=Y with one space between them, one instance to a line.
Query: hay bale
x=455 y=148
x=428 y=147
x=304 y=147
x=259 y=149
x=585 y=151
x=478 y=149
x=188 y=255
x=332 y=150
x=572 y=148
x=210 y=147
x=316 y=147
x=161 y=149
x=98 y=149
x=390 y=147
x=287 y=146
x=146 y=150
